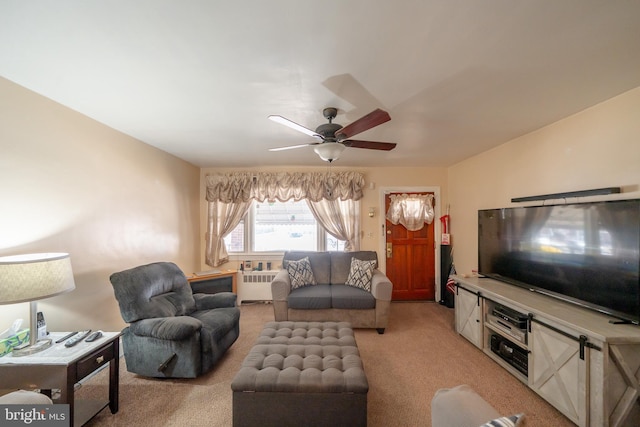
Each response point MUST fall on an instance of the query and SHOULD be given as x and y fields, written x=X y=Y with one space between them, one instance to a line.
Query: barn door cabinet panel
x=557 y=372
x=616 y=382
x=578 y=360
x=468 y=315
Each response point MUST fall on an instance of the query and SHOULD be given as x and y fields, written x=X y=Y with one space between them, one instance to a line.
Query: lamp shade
x=31 y=277
x=329 y=151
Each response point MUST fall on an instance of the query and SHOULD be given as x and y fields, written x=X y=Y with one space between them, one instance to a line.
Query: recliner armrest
x=381 y=286
x=166 y=328
x=211 y=301
x=281 y=286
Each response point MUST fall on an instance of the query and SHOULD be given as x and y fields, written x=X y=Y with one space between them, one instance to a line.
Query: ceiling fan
x=334 y=138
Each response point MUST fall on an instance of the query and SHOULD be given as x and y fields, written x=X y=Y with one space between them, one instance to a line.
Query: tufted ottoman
x=301 y=374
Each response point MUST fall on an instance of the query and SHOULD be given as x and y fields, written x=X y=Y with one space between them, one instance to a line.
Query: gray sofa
x=330 y=299
x=172 y=332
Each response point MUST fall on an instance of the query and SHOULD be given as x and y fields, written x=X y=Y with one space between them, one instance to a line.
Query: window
x=235 y=240
x=279 y=226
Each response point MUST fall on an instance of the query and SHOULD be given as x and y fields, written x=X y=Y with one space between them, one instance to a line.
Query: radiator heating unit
x=255 y=285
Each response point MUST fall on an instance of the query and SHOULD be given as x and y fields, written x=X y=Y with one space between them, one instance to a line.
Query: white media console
x=574 y=358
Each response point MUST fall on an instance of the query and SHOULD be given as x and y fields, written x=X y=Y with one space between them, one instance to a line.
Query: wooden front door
x=410 y=260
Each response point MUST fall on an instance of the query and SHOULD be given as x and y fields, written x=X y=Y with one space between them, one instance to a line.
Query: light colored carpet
x=417 y=355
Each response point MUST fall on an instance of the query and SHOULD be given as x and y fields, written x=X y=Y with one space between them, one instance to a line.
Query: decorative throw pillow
x=360 y=274
x=510 y=421
x=300 y=273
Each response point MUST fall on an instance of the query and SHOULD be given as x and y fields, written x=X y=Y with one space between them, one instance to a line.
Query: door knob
x=389 y=250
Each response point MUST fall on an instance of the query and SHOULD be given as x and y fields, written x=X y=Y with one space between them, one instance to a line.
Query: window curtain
x=222 y=218
x=411 y=210
x=340 y=218
x=230 y=195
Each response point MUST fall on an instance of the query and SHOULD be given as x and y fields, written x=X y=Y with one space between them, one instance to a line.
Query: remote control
x=94 y=336
x=77 y=338
x=66 y=337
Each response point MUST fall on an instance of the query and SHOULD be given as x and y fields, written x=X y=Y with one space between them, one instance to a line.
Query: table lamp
x=31 y=277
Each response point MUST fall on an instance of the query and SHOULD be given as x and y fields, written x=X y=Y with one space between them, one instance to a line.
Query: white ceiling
x=199 y=78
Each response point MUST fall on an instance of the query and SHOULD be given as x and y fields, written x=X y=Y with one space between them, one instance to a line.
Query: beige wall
x=596 y=148
x=70 y=184
x=371 y=238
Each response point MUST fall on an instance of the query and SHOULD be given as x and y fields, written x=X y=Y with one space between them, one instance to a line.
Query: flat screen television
x=583 y=253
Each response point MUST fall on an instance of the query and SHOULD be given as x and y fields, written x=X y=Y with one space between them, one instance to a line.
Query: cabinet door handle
x=99 y=359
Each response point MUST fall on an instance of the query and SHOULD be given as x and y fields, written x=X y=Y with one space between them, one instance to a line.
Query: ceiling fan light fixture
x=329 y=151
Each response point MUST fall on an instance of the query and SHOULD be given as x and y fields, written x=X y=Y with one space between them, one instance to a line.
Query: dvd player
x=507 y=328
x=515 y=318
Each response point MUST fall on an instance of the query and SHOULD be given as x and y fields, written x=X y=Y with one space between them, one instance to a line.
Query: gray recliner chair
x=172 y=332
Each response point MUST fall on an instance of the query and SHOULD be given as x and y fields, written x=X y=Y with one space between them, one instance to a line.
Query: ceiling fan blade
x=293 y=146
x=294 y=125
x=373 y=119
x=371 y=145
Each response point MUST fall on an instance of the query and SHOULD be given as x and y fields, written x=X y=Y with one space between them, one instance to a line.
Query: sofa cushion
x=310 y=297
x=341 y=264
x=360 y=274
x=175 y=328
x=300 y=273
x=320 y=264
x=217 y=323
x=349 y=297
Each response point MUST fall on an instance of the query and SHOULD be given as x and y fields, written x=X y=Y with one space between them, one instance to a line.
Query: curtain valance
x=314 y=186
x=411 y=210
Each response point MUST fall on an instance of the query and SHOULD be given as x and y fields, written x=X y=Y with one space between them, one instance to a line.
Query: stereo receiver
x=510 y=353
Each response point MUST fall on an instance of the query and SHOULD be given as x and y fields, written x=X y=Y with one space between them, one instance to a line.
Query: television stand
x=582 y=362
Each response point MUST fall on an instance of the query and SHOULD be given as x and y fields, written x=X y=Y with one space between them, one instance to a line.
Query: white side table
x=60 y=367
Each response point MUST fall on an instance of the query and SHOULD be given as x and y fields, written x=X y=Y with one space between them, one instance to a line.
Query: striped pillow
x=510 y=421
